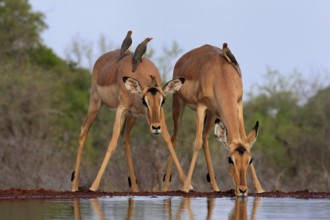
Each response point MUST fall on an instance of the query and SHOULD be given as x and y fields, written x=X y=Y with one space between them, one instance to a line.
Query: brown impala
x=130 y=95
x=214 y=90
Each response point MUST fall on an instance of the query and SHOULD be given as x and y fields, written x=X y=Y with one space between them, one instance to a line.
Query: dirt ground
x=49 y=194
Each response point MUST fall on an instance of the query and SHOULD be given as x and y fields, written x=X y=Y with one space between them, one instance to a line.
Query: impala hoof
x=92 y=189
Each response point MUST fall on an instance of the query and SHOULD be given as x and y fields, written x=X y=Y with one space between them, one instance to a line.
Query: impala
x=131 y=95
x=214 y=90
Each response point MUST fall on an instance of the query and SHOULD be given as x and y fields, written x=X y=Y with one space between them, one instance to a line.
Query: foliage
x=45 y=99
x=20 y=27
x=44 y=57
x=289 y=141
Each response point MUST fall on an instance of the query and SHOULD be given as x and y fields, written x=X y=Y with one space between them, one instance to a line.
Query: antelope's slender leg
x=120 y=115
x=93 y=110
x=128 y=127
x=200 y=115
x=207 y=126
x=177 y=113
x=241 y=120
x=168 y=141
x=255 y=180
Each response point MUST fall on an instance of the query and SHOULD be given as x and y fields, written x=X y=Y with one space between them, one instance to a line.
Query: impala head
x=153 y=99
x=239 y=157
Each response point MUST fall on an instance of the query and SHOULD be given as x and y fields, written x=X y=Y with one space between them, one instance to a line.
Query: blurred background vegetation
x=44 y=100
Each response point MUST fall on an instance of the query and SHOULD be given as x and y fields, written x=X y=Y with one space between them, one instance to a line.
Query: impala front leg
x=167 y=139
x=241 y=120
x=255 y=180
x=112 y=146
x=177 y=113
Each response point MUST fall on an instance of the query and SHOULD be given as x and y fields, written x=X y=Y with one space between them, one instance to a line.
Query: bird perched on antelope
x=139 y=52
x=231 y=58
x=127 y=42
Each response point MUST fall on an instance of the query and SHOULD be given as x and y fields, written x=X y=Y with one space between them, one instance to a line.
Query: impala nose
x=156 y=129
x=243 y=192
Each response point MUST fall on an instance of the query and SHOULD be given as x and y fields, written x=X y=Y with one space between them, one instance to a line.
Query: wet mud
x=50 y=194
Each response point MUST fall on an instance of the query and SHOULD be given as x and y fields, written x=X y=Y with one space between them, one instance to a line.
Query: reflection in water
x=96 y=207
x=182 y=211
x=166 y=208
x=239 y=211
x=184 y=205
x=210 y=207
x=76 y=209
x=130 y=210
x=256 y=204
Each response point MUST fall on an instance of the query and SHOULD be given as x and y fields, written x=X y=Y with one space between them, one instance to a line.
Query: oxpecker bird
x=228 y=55
x=139 y=52
x=127 y=42
x=231 y=58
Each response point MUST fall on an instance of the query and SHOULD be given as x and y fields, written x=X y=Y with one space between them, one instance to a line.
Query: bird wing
x=232 y=57
x=140 y=50
x=125 y=45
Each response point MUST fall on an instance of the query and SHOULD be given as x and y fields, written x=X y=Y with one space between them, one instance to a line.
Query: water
x=137 y=208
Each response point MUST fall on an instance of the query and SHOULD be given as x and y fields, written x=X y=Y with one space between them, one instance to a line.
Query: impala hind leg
x=127 y=130
x=177 y=113
x=209 y=121
x=200 y=116
x=93 y=110
x=120 y=116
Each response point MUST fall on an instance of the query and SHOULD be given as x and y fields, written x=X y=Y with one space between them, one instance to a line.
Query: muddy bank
x=50 y=194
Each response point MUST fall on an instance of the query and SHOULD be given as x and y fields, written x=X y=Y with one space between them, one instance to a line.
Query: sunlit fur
x=130 y=95
x=214 y=90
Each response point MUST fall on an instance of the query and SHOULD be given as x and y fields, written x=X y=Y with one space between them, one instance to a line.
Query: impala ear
x=220 y=132
x=173 y=85
x=132 y=85
x=252 y=136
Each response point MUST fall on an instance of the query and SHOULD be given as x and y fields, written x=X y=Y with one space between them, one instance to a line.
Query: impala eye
x=230 y=160
x=163 y=101
x=251 y=161
x=144 y=102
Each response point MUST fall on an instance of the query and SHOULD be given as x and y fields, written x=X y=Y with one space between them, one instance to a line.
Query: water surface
x=166 y=208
